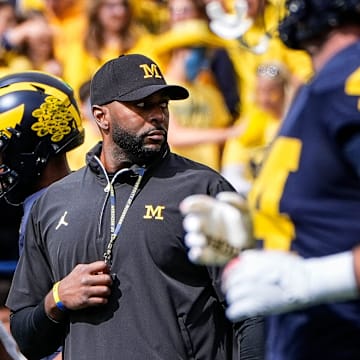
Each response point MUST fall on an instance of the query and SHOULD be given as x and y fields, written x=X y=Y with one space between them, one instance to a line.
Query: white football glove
x=269 y=282
x=217 y=228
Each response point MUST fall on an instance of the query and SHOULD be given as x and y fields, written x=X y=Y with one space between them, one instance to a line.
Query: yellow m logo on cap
x=150 y=71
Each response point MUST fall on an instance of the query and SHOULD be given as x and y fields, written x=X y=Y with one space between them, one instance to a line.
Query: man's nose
x=157 y=114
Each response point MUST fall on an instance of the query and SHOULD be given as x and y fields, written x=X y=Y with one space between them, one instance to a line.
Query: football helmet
x=39 y=118
x=312 y=19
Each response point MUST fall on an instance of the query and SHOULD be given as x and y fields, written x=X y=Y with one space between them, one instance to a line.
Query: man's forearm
x=35 y=333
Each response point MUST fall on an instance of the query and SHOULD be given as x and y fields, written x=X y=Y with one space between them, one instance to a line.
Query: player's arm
x=261 y=282
x=217 y=229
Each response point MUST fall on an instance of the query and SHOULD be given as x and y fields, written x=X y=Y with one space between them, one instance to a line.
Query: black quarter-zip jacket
x=162 y=306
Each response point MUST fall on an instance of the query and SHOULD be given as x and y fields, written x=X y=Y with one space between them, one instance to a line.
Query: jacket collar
x=93 y=161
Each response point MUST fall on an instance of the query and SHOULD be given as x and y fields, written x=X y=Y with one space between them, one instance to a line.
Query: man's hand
x=217 y=228
x=87 y=285
x=268 y=282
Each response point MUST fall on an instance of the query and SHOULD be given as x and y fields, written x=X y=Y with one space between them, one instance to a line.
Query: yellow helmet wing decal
x=10 y=118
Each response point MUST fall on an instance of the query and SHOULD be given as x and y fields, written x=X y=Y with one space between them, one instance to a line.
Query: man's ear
x=100 y=118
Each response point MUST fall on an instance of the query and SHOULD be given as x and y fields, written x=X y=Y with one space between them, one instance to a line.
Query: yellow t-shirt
x=246 y=62
x=81 y=65
x=249 y=147
x=28 y=5
x=68 y=29
x=205 y=109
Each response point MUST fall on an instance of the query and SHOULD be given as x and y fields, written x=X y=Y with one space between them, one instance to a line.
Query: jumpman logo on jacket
x=62 y=221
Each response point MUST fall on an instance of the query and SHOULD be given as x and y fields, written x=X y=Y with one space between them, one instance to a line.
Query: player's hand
x=87 y=285
x=217 y=229
x=268 y=282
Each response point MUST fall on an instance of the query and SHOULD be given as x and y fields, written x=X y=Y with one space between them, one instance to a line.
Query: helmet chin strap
x=12 y=203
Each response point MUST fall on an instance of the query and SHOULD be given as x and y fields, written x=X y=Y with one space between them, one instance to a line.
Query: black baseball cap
x=130 y=77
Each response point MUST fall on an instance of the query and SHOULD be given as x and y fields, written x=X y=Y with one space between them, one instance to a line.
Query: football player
x=39 y=123
x=304 y=205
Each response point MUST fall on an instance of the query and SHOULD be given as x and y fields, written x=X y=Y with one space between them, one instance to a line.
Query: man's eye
x=164 y=104
x=148 y=105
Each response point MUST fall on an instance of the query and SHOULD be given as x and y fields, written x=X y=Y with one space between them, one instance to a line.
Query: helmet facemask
x=8 y=180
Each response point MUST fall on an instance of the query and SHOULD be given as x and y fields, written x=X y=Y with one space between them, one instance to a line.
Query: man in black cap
x=104 y=269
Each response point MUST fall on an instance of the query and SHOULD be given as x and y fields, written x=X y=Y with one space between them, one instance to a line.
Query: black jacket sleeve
x=36 y=335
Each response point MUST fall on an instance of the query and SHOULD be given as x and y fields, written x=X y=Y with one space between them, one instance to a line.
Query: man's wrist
x=59 y=304
x=52 y=310
x=332 y=278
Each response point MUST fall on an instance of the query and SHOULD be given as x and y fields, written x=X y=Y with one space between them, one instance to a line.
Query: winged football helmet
x=39 y=118
x=313 y=19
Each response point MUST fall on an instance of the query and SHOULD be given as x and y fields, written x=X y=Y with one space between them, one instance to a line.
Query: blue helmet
x=39 y=118
x=312 y=19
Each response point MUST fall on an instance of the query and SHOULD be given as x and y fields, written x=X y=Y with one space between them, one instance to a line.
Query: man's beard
x=133 y=146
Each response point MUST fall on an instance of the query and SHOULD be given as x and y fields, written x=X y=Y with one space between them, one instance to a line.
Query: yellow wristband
x=58 y=302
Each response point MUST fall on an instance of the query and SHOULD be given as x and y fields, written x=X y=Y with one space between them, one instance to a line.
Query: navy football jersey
x=307 y=200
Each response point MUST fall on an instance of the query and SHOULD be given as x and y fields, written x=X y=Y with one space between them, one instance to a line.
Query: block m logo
x=151 y=71
x=154 y=213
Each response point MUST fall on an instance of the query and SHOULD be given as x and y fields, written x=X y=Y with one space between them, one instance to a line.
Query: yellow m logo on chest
x=154 y=213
